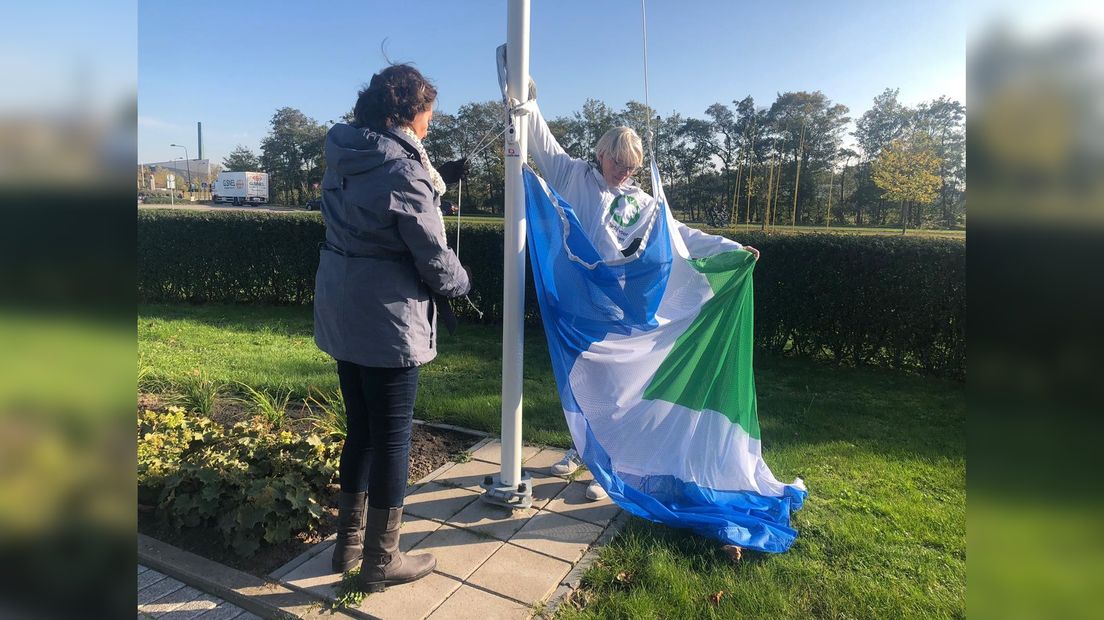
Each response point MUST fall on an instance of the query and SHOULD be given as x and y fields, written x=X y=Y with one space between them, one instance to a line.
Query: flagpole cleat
x=514 y=497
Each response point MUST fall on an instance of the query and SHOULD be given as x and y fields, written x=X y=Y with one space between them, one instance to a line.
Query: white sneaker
x=595 y=491
x=568 y=464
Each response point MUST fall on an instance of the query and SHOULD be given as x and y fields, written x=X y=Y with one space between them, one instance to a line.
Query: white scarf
x=434 y=176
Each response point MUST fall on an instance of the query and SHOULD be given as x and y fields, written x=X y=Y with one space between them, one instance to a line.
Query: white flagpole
x=517 y=49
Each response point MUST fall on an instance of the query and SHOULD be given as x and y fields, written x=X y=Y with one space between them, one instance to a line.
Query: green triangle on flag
x=710 y=366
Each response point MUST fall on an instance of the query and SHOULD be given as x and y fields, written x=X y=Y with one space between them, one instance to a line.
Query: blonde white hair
x=622 y=145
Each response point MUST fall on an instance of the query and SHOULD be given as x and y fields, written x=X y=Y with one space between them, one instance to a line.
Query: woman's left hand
x=753 y=251
x=453 y=171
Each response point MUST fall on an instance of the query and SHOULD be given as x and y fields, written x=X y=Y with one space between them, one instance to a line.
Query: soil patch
x=430 y=448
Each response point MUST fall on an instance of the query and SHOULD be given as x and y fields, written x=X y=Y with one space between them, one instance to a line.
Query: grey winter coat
x=385 y=252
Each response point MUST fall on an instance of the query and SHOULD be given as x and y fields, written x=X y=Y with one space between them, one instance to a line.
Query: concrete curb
x=303 y=558
x=450 y=427
x=263 y=598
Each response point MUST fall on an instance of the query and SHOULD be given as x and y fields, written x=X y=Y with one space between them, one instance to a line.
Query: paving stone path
x=491 y=562
x=162 y=597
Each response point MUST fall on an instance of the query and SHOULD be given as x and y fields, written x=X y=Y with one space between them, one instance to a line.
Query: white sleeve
x=700 y=244
x=556 y=166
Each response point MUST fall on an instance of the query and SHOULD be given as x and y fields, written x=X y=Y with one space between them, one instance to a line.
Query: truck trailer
x=241 y=188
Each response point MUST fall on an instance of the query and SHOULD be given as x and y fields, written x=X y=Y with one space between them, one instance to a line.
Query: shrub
x=253 y=484
x=892 y=301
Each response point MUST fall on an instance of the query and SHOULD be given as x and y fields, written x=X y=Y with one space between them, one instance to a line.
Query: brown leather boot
x=384 y=565
x=350 y=531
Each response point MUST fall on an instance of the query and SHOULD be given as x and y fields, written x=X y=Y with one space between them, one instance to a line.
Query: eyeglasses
x=617 y=168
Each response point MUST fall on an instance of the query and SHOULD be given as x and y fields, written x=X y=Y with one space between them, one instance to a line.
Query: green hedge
x=227 y=256
x=889 y=301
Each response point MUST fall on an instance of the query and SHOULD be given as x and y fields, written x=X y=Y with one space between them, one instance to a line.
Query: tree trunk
x=943 y=181
x=904 y=216
x=797 y=175
x=733 y=216
x=839 y=203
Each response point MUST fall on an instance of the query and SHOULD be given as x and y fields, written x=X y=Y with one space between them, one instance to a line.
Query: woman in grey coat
x=384 y=262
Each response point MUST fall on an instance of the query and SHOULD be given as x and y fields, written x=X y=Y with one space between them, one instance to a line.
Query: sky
x=232 y=64
x=55 y=59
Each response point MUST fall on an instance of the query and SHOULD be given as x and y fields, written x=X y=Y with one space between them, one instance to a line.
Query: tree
x=846 y=154
x=638 y=116
x=809 y=127
x=241 y=159
x=442 y=143
x=942 y=120
x=586 y=127
x=695 y=160
x=907 y=171
x=474 y=132
x=726 y=143
x=752 y=128
x=668 y=143
x=291 y=153
x=883 y=123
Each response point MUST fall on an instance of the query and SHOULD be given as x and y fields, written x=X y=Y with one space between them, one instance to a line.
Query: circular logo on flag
x=624 y=210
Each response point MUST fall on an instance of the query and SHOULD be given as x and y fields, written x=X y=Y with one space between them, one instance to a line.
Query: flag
x=653 y=362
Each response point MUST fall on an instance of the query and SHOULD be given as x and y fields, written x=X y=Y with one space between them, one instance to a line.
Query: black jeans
x=379 y=405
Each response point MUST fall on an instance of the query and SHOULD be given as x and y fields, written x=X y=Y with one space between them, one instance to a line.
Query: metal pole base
x=514 y=497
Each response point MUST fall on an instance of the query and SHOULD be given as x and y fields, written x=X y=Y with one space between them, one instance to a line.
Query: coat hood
x=352 y=150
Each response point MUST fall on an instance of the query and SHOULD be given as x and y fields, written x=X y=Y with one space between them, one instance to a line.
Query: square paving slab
x=573 y=502
x=492 y=452
x=438 y=502
x=520 y=574
x=558 y=536
x=470 y=603
x=458 y=551
x=545 y=488
x=542 y=462
x=490 y=520
x=468 y=475
x=412 y=600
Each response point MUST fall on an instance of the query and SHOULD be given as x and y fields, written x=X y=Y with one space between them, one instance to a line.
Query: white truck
x=241 y=188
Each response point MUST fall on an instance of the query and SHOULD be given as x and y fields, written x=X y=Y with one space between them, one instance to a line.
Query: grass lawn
x=272 y=349
x=883 y=534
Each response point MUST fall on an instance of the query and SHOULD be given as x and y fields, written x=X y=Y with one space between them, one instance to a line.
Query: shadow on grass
x=802 y=403
x=283 y=320
x=805 y=403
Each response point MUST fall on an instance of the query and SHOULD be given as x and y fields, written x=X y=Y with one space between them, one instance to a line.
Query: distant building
x=153 y=174
x=200 y=168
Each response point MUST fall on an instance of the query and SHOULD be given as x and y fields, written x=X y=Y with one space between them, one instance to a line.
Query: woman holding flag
x=614 y=211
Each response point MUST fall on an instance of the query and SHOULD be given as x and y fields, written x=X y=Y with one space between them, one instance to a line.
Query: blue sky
x=75 y=57
x=231 y=64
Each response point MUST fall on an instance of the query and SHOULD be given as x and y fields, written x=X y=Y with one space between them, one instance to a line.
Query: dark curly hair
x=393 y=97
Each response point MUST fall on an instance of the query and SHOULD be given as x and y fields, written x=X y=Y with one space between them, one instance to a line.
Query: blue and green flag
x=653 y=360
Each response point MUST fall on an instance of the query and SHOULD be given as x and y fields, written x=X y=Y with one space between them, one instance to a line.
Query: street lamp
x=187 y=164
